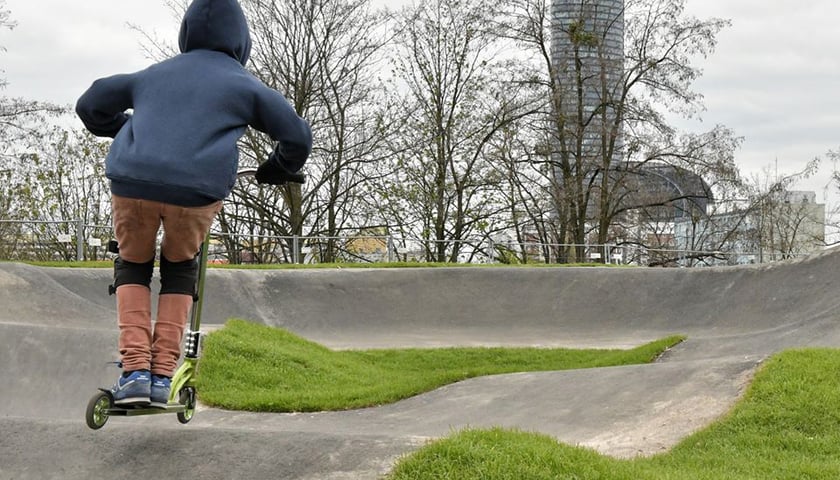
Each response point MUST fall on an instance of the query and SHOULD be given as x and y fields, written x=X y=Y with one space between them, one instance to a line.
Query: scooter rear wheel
x=186 y=397
x=96 y=413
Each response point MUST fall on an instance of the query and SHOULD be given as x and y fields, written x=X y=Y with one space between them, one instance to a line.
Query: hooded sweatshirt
x=176 y=124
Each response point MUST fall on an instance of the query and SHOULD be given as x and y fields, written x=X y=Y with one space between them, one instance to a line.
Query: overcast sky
x=773 y=79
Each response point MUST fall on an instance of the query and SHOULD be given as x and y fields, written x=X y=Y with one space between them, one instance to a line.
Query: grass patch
x=253 y=367
x=786 y=427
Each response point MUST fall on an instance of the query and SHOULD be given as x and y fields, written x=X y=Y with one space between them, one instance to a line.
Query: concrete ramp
x=57 y=333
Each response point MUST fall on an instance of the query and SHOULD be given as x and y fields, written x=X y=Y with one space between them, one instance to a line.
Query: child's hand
x=273 y=173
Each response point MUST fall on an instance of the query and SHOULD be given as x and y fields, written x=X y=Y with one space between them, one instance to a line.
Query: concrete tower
x=588 y=54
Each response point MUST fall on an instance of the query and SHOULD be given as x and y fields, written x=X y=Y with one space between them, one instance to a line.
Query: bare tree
x=456 y=101
x=605 y=127
x=323 y=56
x=58 y=183
x=24 y=128
x=749 y=222
x=784 y=222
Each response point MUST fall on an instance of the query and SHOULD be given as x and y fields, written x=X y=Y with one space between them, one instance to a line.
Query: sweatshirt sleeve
x=274 y=115
x=102 y=108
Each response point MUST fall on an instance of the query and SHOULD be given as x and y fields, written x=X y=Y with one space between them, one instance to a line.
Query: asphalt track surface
x=57 y=333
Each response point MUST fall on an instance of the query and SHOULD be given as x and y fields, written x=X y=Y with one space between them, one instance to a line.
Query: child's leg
x=173 y=310
x=134 y=312
x=183 y=231
x=136 y=224
x=177 y=287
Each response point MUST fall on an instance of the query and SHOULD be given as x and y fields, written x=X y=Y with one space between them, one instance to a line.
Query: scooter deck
x=117 y=411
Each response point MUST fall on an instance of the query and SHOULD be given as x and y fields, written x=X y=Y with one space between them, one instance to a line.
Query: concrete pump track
x=58 y=331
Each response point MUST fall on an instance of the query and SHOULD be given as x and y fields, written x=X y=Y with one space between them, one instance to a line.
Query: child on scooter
x=174 y=158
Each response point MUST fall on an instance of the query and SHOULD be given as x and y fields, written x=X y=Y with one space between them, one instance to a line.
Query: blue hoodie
x=179 y=144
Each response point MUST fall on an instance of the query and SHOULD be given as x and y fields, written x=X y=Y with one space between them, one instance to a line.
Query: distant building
x=588 y=50
x=663 y=192
x=651 y=199
x=785 y=225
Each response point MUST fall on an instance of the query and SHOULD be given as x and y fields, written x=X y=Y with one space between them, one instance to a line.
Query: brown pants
x=136 y=225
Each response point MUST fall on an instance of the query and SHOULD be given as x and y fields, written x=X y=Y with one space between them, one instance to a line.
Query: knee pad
x=130 y=273
x=178 y=277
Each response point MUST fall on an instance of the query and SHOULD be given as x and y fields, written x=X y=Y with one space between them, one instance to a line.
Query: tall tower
x=588 y=57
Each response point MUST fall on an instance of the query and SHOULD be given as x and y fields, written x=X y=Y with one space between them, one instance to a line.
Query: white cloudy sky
x=774 y=77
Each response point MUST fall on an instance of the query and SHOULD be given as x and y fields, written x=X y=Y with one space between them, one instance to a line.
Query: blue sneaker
x=132 y=388
x=160 y=391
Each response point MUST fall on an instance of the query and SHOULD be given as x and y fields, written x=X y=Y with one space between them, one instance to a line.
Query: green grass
x=252 y=367
x=786 y=427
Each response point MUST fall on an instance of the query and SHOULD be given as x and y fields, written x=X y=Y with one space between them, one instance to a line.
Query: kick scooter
x=182 y=397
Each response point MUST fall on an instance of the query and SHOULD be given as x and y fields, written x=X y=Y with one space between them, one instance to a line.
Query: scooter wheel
x=97 y=410
x=186 y=397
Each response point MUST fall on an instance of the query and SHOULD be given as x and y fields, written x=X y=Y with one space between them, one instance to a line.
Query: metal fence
x=76 y=240
x=53 y=240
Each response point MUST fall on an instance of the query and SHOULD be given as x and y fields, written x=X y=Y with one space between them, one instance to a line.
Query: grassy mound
x=786 y=427
x=253 y=367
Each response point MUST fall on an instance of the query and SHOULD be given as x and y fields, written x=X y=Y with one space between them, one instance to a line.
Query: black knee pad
x=130 y=273
x=178 y=277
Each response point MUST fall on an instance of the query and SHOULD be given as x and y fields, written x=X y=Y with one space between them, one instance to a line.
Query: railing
x=75 y=240
x=53 y=240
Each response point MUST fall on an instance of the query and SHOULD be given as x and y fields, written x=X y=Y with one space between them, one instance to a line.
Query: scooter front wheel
x=96 y=413
x=186 y=397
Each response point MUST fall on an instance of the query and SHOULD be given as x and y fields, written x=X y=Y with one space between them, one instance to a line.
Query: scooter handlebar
x=246 y=172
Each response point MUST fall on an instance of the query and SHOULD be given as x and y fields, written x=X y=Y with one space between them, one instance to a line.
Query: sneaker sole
x=133 y=402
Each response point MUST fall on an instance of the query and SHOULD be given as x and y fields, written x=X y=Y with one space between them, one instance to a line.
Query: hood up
x=217 y=25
